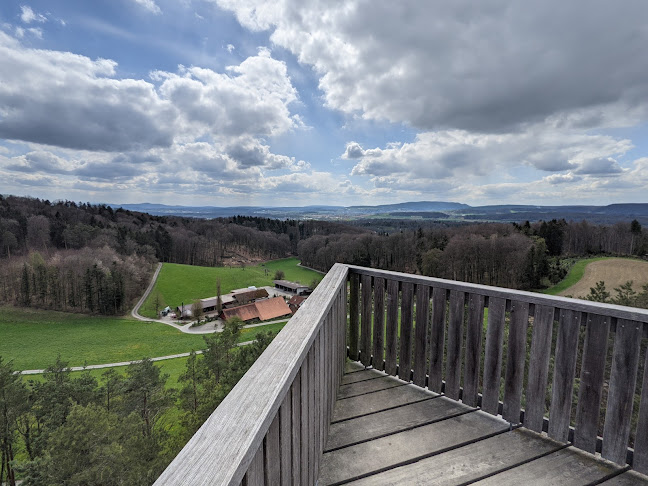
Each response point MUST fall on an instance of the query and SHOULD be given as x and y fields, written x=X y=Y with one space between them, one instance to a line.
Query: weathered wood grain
x=564 y=371
x=296 y=432
x=394 y=420
x=538 y=367
x=312 y=426
x=367 y=304
x=623 y=380
x=493 y=355
x=611 y=310
x=305 y=454
x=380 y=400
x=568 y=467
x=641 y=440
x=354 y=317
x=473 y=349
x=455 y=341
x=368 y=386
x=381 y=454
x=255 y=476
x=421 y=333
x=391 y=335
x=379 y=323
x=437 y=339
x=368 y=374
x=272 y=459
x=468 y=463
x=515 y=361
x=628 y=478
x=591 y=382
x=285 y=440
x=405 y=354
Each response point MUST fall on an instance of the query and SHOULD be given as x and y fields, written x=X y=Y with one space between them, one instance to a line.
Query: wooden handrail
x=444 y=345
x=272 y=425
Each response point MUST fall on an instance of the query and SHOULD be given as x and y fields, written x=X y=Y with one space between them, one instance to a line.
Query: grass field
x=613 y=271
x=186 y=283
x=32 y=339
x=576 y=273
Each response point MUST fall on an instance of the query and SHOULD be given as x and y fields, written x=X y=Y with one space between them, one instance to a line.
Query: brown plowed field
x=613 y=272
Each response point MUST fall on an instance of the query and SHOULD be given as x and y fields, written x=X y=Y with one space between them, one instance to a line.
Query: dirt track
x=613 y=272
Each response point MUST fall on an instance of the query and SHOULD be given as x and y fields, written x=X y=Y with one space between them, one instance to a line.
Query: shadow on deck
x=385 y=431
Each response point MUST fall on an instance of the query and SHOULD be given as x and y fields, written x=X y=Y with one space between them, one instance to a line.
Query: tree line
x=73 y=429
x=522 y=256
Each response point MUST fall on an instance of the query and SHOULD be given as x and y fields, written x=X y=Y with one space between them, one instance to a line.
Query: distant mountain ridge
x=441 y=210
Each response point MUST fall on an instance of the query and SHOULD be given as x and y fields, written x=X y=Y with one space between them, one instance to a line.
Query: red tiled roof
x=244 y=312
x=296 y=300
x=272 y=308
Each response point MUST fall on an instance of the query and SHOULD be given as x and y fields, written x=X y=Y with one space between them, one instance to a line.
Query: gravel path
x=121 y=363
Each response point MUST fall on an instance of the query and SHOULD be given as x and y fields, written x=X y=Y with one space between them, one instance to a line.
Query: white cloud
x=230 y=48
x=489 y=66
x=89 y=108
x=27 y=15
x=149 y=5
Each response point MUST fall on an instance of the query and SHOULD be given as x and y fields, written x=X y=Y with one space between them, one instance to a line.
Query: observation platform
x=385 y=431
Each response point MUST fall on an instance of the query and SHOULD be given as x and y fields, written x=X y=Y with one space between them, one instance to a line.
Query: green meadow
x=179 y=284
x=32 y=339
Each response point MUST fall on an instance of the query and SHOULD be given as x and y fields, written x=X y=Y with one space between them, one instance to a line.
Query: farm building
x=264 y=310
x=296 y=302
x=184 y=311
x=209 y=305
x=249 y=295
x=292 y=287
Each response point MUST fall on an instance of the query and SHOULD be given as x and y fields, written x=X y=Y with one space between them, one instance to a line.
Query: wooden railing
x=517 y=354
x=439 y=342
x=272 y=427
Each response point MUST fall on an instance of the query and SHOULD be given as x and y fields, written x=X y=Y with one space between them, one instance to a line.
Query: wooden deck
x=385 y=431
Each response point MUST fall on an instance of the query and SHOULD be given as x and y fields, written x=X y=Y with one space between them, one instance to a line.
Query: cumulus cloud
x=67 y=100
x=149 y=5
x=27 y=15
x=490 y=66
x=461 y=154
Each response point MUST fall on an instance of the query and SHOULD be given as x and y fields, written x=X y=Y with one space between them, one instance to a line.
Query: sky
x=303 y=102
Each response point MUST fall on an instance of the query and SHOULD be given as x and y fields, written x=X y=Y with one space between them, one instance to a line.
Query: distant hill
x=429 y=210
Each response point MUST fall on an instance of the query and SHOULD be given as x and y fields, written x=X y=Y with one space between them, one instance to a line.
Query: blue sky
x=298 y=102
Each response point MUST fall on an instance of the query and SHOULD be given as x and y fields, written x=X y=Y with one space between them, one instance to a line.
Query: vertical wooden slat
x=317 y=379
x=455 y=339
x=365 y=321
x=285 y=439
x=305 y=426
x=493 y=355
x=421 y=333
x=538 y=367
x=311 y=418
x=392 y=327
x=437 y=337
x=591 y=382
x=405 y=355
x=563 y=379
x=473 y=348
x=515 y=361
x=623 y=380
x=272 y=462
x=354 y=322
x=254 y=475
x=640 y=462
x=379 y=323
x=296 y=432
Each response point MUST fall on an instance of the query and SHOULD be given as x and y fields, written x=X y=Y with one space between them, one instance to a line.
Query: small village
x=250 y=304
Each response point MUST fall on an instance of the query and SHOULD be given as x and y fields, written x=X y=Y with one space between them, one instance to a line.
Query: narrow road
x=121 y=363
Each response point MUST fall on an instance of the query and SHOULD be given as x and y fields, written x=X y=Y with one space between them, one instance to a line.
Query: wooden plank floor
x=387 y=432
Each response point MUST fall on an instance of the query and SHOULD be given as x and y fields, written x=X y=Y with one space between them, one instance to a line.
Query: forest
x=72 y=428
x=95 y=259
